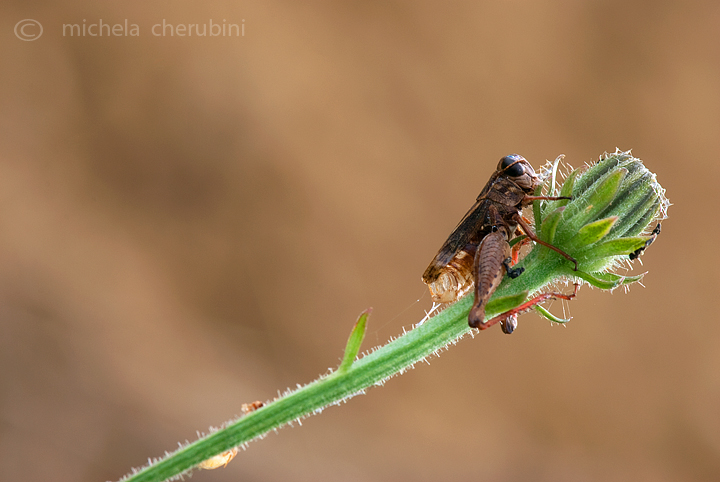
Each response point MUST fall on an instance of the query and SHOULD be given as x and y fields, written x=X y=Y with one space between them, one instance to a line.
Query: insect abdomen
x=455 y=280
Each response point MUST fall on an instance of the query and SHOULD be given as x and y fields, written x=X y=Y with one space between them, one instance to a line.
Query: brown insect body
x=478 y=250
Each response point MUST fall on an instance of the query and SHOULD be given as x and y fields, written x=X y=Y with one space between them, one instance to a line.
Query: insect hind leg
x=653 y=235
x=508 y=319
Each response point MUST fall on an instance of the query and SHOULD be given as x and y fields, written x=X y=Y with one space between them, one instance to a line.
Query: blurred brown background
x=188 y=224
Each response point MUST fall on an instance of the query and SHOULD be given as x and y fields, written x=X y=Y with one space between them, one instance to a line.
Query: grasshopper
x=478 y=250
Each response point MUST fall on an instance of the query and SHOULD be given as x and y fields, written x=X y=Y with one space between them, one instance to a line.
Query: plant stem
x=372 y=369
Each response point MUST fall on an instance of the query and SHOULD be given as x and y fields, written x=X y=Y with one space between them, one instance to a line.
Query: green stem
x=372 y=369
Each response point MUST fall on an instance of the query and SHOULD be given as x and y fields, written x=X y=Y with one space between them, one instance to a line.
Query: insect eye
x=512 y=166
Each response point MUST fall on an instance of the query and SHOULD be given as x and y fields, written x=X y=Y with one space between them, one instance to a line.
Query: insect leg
x=518 y=246
x=530 y=234
x=653 y=235
x=545 y=198
x=509 y=318
x=509 y=324
x=489 y=259
x=512 y=272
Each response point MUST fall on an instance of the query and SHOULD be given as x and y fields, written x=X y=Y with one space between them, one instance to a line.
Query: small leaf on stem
x=354 y=341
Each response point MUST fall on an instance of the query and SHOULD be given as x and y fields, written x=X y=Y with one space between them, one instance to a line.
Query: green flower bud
x=615 y=205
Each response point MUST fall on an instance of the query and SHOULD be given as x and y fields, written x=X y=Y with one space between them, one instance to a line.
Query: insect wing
x=465 y=233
